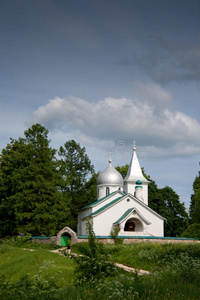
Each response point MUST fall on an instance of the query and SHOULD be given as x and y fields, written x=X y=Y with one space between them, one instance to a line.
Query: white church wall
x=103 y=222
x=81 y=225
x=102 y=190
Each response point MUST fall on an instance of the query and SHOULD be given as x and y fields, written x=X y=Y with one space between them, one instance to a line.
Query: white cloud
x=104 y=123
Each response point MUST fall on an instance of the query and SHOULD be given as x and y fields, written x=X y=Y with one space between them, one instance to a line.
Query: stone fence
x=131 y=240
x=44 y=240
x=109 y=240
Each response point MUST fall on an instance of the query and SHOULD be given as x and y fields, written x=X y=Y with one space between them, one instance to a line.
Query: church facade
x=123 y=204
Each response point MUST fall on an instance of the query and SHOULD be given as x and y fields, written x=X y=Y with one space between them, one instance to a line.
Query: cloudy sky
x=107 y=73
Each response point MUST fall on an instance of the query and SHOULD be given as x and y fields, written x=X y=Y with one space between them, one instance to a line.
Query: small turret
x=139 y=190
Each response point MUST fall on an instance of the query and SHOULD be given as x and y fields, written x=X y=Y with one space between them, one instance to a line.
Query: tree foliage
x=40 y=194
x=192 y=231
x=195 y=202
x=174 y=212
x=29 y=184
x=75 y=170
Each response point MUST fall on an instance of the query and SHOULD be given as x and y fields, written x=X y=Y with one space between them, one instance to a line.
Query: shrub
x=93 y=267
x=193 y=231
x=114 y=235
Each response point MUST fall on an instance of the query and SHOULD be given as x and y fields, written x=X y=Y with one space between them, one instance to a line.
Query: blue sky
x=107 y=73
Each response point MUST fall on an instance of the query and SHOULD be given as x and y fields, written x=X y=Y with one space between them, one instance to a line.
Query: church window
x=107 y=191
x=128 y=200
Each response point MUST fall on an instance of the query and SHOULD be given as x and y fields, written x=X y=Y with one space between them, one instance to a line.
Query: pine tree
x=195 y=201
x=29 y=184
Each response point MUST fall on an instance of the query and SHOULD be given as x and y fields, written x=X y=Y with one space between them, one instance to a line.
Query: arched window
x=129 y=226
x=107 y=191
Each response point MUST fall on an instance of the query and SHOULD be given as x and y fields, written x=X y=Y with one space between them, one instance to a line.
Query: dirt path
x=124 y=267
x=129 y=269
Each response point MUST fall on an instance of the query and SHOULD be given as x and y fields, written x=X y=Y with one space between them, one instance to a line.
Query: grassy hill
x=41 y=274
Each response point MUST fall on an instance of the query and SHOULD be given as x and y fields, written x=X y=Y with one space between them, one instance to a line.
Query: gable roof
x=104 y=207
x=128 y=213
x=100 y=210
x=100 y=200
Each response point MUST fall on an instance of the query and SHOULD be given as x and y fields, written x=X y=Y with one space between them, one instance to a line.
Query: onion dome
x=110 y=176
x=139 y=182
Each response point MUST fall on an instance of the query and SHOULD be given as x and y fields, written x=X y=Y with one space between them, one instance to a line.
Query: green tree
x=29 y=184
x=155 y=199
x=192 y=231
x=75 y=169
x=195 y=202
x=11 y=159
x=175 y=213
x=122 y=170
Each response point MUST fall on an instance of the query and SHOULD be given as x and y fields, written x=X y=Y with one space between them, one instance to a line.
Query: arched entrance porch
x=133 y=224
x=64 y=235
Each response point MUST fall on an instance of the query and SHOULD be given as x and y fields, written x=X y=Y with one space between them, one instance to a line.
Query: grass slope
x=40 y=274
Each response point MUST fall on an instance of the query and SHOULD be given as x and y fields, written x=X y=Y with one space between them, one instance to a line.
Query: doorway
x=129 y=226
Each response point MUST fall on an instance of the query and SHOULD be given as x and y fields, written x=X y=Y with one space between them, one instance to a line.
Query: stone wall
x=44 y=240
x=75 y=239
x=143 y=240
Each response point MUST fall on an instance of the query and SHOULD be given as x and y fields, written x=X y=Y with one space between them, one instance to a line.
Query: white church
x=123 y=204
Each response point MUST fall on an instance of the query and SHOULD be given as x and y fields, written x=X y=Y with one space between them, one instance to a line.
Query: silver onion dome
x=110 y=176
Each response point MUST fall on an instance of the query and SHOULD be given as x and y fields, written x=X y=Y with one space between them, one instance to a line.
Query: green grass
x=16 y=263
x=144 y=255
x=41 y=274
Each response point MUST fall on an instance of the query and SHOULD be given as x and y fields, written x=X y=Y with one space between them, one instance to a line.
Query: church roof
x=113 y=202
x=110 y=176
x=104 y=207
x=128 y=212
x=124 y=216
x=134 y=171
x=100 y=200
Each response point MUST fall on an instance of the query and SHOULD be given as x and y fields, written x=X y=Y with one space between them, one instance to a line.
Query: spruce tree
x=29 y=184
x=195 y=202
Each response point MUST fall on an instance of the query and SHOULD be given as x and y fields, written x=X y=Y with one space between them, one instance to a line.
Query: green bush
x=93 y=267
x=114 y=235
x=193 y=231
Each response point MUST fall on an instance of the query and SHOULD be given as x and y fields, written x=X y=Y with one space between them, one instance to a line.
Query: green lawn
x=41 y=274
x=16 y=263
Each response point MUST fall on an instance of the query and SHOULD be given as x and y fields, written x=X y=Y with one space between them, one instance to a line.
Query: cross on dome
x=110 y=158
